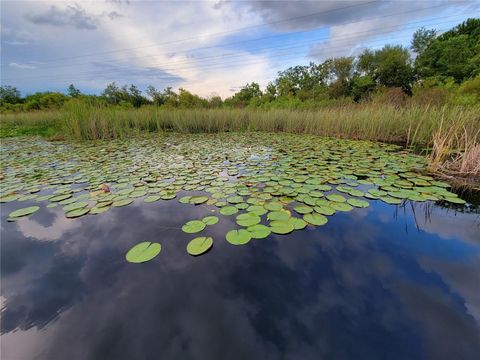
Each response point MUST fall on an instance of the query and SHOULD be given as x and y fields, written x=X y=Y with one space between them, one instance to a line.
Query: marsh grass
x=449 y=136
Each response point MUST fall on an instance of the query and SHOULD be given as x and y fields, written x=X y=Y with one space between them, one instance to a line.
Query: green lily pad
x=281 y=215
x=336 y=198
x=281 y=227
x=77 y=213
x=9 y=198
x=193 y=226
x=257 y=210
x=298 y=224
x=98 y=210
x=235 y=199
x=358 y=203
x=248 y=219
x=238 y=237
x=315 y=219
x=324 y=210
x=341 y=206
x=23 y=212
x=168 y=196
x=197 y=200
x=228 y=210
x=185 y=199
x=241 y=206
x=142 y=252
x=303 y=209
x=273 y=206
x=259 y=231
x=123 y=202
x=151 y=198
x=390 y=200
x=210 y=220
x=60 y=197
x=199 y=245
x=75 y=206
x=455 y=200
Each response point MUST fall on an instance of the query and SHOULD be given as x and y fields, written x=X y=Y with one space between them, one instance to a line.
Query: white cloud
x=21 y=66
x=154 y=43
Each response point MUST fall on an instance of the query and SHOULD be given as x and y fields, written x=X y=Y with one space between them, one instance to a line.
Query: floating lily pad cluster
x=267 y=183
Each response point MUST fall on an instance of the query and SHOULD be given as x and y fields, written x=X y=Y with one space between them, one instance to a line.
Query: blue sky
x=207 y=47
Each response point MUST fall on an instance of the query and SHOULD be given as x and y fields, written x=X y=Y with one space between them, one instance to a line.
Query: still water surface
x=385 y=282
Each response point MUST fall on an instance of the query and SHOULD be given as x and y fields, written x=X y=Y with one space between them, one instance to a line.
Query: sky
x=207 y=47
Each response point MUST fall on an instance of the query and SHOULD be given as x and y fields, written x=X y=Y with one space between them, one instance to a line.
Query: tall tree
x=455 y=53
x=73 y=91
x=422 y=38
x=389 y=66
x=9 y=95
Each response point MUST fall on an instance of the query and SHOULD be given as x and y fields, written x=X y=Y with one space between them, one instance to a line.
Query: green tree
x=155 y=95
x=246 y=94
x=135 y=96
x=188 y=100
x=340 y=72
x=455 y=53
x=362 y=87
x=422 y=38
x=389 y=66
x=73 y=91
x=9 y=95
x=113 y=93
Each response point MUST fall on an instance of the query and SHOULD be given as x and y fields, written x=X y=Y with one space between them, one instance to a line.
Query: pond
x=311 y=248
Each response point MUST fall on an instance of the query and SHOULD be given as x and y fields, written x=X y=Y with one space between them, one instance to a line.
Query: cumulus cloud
x=15 y=36
x=351 y=24
x=72 y=15
x=126 y=42
x=303 y=15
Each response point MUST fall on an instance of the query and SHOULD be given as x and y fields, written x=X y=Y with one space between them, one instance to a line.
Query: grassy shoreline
x=448 y=136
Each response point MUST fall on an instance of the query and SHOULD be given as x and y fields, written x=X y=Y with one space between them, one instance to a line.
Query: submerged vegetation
x=269 y=183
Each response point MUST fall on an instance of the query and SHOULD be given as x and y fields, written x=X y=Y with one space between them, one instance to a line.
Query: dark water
x=386 y=282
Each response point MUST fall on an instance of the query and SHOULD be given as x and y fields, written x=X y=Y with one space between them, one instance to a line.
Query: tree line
x=436 y=68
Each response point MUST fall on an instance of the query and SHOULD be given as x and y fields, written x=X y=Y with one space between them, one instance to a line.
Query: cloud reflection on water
x=354 y=288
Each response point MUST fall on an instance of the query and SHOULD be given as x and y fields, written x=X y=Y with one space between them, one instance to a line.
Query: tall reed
x=449 y=135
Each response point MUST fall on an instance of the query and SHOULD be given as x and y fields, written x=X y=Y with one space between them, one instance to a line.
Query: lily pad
x=336 y=198
x=281 y=215
x=196 y=200
x=228 y=210
x=199 y=245
x=77 y=213
x=281 y=227
x=303 y=209
x=193 y=226
x=259 y=231
x=324 y=210
x=143 y=252
x=298 y=224
x=210 y=220
x=98 y=210
x=123 y=202
x=238 y=237
x=23 y=212
x=273 y=206
x=151 y=198
x=248 y=219
x=358 y=203
x=315 y=219
x=75 y=206
x=257 y=210
x=455 y=200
